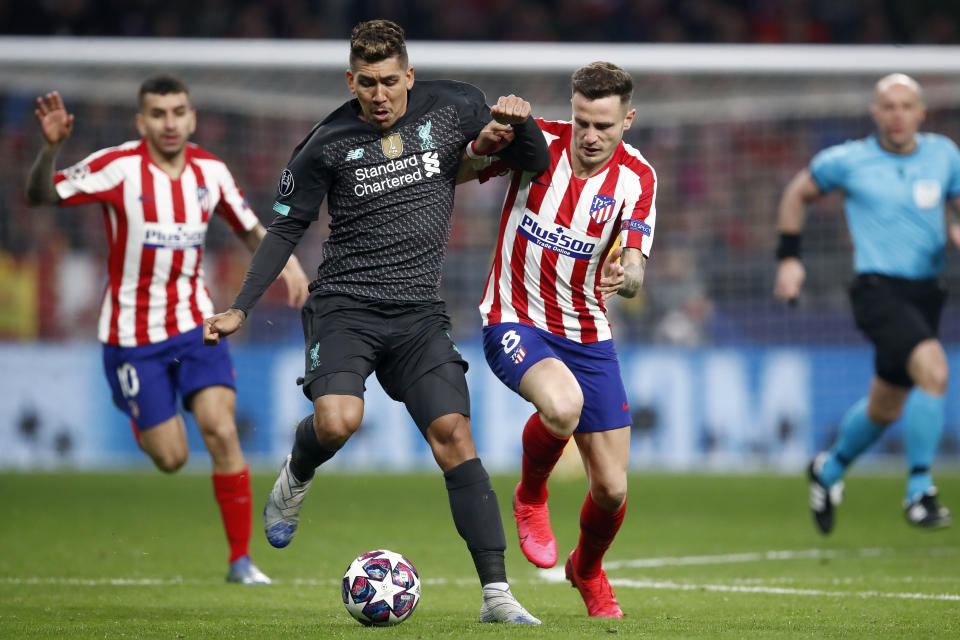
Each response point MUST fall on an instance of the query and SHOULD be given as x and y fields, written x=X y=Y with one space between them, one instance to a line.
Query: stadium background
x=719 y=375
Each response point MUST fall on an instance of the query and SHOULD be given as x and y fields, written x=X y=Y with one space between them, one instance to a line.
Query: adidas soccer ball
x=381 y=588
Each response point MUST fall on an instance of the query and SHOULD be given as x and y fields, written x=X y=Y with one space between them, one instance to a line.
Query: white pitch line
x=556 y=575
x=730 y=558
x=98 y=582
x=636 y=584
x=730 y=588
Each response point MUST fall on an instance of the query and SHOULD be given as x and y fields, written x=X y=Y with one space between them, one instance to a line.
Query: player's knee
x=169 y=461
x=450 y=439
x=333 y=429
x=219 y=432
x=609 y=494
x=450 y=430
x=561 y=412
x=935 y=377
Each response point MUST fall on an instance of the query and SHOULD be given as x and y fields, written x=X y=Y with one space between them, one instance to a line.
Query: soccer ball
x=381 y=588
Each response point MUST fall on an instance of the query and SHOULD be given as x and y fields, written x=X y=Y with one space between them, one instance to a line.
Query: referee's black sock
x=308 y=453
x=477 y=516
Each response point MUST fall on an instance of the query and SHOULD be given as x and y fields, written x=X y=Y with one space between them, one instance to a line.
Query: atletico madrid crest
x=602 y=208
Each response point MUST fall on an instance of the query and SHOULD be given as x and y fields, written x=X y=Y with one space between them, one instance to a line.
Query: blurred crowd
x=720 y=175
x=709 y=279
x=707 y=21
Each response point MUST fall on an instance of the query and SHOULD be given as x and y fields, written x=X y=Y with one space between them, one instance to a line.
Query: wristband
x=472 y=152
x=788 y=246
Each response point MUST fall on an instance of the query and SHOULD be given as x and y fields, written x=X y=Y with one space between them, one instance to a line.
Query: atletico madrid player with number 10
x=158 y=195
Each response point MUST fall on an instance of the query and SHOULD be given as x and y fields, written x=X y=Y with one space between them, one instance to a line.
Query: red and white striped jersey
x=555 y=232
x=156 y=226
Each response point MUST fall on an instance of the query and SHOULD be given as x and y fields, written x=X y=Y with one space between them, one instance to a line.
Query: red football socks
x=541 y=450
x=232 y=491
x=598 y=528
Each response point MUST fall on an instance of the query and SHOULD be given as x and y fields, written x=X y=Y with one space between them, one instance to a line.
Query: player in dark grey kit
x=387 y=162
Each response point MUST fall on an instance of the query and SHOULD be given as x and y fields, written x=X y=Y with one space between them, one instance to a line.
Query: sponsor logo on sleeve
x=637 y=225
x=285 y=187
x=282 y=209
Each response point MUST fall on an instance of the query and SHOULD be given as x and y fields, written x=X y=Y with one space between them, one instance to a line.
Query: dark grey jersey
x=390 y=194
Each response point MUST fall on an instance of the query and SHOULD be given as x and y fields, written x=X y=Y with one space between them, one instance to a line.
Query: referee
x=896 y=184
x=387 y=162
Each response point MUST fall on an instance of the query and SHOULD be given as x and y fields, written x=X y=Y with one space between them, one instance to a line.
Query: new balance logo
x=354 y=154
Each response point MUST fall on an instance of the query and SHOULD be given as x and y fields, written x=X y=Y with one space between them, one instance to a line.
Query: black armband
x=788 y=246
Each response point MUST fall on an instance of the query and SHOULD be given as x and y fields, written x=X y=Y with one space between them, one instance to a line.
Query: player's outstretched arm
x=527 y=150
x=292 y=275
x=611 y=274
x=56 y=125
x=510 y=109
x=491 y=138
x=298 y=285
x=272 y=254
x=221 y=325
x=801 y=190
x=634 y=265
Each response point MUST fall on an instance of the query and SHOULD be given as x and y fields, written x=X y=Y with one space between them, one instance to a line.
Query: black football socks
x=477 y=517
x=308 y=453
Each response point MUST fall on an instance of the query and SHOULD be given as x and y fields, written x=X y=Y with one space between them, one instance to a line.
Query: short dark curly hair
x=602 y=79
x=161 y=84
x=377 y=40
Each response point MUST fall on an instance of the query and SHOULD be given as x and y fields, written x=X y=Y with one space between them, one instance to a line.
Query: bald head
x=889 y=81
x=897 y=110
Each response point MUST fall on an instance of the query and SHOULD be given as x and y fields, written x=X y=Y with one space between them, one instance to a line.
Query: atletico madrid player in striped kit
x=158 y=194
x=546 y=335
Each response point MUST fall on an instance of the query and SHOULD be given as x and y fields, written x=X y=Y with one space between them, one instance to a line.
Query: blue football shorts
x=512 y=347
x=146 y=380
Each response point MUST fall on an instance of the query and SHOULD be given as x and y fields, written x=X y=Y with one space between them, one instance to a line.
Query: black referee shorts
x=348 y=338
x=896 y=314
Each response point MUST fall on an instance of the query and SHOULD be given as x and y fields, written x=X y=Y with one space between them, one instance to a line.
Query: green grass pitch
x=141 y=555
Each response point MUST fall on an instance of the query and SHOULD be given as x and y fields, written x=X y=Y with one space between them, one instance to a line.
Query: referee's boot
x=282 y=510
x=926 y=511
x=823 y=499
